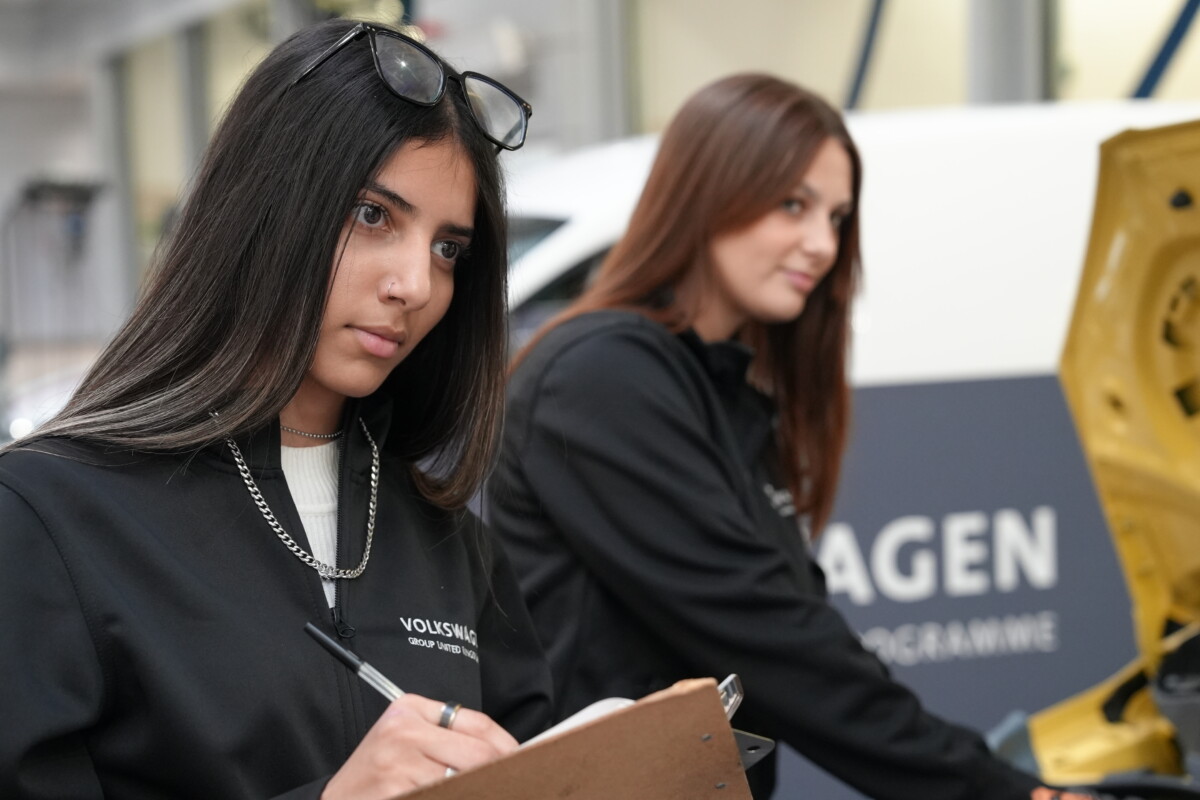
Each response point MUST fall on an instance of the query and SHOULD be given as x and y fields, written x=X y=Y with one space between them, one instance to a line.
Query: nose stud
x=401 y=299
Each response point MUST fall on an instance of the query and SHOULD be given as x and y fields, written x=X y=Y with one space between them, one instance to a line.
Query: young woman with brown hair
x=675 y=434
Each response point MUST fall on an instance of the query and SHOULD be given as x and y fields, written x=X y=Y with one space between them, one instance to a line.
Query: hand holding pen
x=415 y=742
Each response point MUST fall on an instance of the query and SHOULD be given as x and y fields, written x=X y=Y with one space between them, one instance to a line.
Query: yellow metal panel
x=1075 y=744
x=1131 y=373
x=1131 y=369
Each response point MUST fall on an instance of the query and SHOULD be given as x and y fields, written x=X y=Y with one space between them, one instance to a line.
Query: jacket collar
x=726 y=361
x=751 y=414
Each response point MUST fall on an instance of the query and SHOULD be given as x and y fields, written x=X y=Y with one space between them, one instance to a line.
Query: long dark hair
x=733 y=152
x=229 y=320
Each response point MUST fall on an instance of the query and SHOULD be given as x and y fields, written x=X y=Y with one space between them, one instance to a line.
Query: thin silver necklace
x=333 y=435
x=326 y=571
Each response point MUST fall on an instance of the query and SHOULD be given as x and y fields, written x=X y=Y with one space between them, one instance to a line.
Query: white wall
x=680 y=45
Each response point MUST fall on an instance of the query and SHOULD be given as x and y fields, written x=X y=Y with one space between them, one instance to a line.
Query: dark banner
x=969 y=550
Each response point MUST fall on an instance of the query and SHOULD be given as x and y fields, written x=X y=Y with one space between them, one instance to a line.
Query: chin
x=780 y=316
x=361 y=387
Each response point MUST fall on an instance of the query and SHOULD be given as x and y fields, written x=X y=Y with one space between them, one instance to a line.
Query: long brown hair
x=732 y=153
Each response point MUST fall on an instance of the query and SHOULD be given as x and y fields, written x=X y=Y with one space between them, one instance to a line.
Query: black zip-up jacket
x=152 y=623
x=636 y=495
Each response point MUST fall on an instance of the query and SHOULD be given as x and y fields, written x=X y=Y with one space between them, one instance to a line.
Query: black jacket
x=153 y=623
x=637 y=498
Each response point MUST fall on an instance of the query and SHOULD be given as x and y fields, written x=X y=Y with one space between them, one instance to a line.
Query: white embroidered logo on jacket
x=448 y=630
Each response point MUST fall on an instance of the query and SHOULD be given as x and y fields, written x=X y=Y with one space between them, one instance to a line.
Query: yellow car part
x=1130 y=370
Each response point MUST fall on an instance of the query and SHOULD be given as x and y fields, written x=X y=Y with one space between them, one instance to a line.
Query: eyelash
x=364 y=205
x=463 y=250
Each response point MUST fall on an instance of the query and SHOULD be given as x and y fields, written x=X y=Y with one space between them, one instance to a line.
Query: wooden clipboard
x=671 y=745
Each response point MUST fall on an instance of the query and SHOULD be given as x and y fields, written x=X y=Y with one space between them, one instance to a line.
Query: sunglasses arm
x=351 y=35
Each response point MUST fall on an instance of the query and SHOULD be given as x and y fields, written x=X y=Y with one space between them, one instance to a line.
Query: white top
x=311 y=474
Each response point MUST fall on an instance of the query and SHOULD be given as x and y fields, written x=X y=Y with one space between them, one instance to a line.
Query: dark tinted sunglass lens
x=496 y=112
x=411 y=72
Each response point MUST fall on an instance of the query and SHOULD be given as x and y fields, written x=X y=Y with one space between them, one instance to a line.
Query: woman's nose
x=821 y=240
x=409 y=283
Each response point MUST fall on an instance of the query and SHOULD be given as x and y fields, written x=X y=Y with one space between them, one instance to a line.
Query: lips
x=379 y=342
x=801 y=281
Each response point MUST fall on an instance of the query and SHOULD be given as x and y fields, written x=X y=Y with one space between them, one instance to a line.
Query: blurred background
x=967 y=504
x=105 y=105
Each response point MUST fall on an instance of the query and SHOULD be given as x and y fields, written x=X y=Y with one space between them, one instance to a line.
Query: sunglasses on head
x=413 y=73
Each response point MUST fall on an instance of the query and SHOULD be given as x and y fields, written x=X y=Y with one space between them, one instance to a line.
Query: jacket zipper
x=344 y=629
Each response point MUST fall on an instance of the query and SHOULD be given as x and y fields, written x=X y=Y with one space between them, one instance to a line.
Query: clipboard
x=676 y=744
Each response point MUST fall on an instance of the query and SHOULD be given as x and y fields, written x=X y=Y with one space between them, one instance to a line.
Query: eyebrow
x=393 y=198
x=408 y=208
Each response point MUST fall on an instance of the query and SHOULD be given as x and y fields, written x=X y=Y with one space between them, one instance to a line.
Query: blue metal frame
x=1167 y=52
x=864 y=54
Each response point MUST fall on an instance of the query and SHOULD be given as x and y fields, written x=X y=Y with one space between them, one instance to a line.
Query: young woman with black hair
x=285 y=431
x=676 y=432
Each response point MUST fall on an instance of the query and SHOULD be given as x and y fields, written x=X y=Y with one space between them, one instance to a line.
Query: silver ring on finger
x=449 y=713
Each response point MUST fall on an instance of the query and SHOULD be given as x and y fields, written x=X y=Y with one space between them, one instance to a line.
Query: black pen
x=362 y=669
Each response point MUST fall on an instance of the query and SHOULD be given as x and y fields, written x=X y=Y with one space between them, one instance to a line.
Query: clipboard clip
x=731 y=693
x=751 y=747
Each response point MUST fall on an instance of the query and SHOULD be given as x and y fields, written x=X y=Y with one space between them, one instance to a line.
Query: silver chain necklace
x=326 y=571
x=333 y=435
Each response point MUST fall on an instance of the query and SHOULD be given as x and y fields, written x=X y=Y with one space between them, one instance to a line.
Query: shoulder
x=45 y=471
x=45 y=456
x=54 y=455
x=611 y=327
x=31 y=480
x=608 y=374
x=611 y=347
